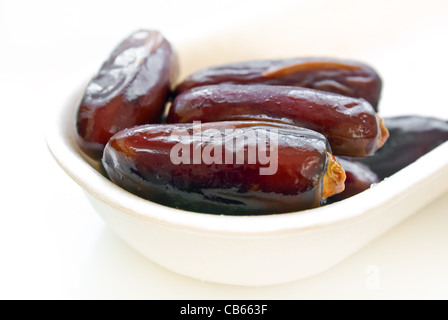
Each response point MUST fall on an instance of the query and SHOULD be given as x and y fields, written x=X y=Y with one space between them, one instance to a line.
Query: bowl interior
x=247 y=42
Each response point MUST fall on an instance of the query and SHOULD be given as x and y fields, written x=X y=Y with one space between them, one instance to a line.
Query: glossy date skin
x=346 y=77
x=351 y=125
x=140 y=160
x=131 y=88
x=411 y=137
x=359 y=178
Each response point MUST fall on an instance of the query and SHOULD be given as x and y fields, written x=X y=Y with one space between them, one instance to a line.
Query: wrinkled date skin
x=350 y=78
x=351 y=125
x=194 y=167
x=359 y=178
x=411 y=137
x=131 y=88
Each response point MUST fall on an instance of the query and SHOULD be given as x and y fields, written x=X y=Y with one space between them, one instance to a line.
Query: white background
x=52 y=243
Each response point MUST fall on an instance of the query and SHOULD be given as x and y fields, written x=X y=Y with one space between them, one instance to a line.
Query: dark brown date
x=351 y=125
x=350 y=78
x=411 y=137
x=231 y=167
x=131 y=88
x=359 y=178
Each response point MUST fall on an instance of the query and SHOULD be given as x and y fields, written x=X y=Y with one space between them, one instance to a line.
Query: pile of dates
x=248 y=138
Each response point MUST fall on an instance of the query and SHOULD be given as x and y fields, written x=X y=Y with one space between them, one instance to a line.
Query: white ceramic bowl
x=251 y=250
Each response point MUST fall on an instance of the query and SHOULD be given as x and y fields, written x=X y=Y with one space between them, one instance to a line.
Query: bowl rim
x=61 y=143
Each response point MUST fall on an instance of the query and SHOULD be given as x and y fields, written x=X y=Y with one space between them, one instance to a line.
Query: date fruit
x=131 y=88
x=230 y=167
x=411 y=137
x=350 y=78
x=359 y=178
x=351 y=125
